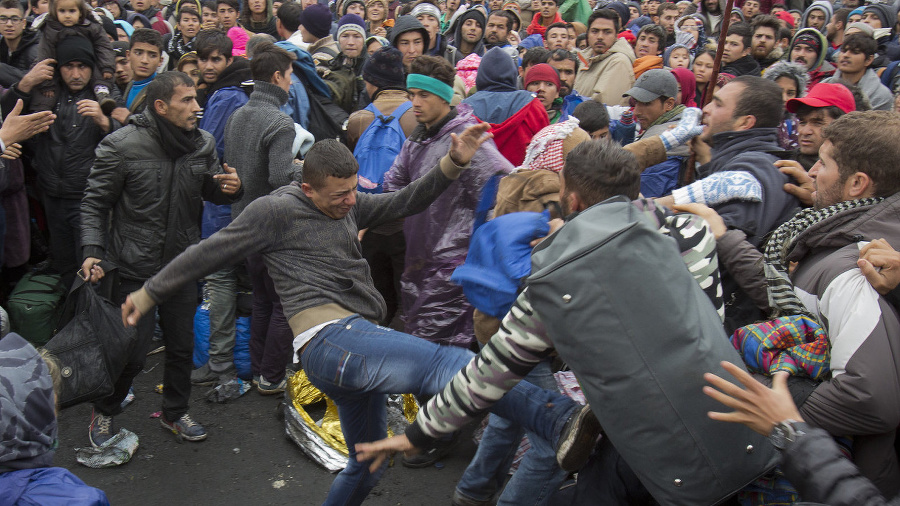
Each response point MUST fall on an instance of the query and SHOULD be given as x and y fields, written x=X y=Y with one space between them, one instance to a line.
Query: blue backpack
x=378 y=146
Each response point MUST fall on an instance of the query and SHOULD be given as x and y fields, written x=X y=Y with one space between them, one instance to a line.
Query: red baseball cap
x=786 y=17
x=825 y=95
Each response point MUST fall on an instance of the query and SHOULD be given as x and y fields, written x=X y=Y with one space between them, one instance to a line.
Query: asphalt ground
x=247 y=458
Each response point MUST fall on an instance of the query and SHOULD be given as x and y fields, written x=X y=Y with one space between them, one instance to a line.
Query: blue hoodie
x=497 y=98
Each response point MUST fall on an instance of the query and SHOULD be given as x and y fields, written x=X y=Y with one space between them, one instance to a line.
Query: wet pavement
x=247 y=458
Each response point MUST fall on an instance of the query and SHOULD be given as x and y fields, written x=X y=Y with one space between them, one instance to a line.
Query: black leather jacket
x=153 y=202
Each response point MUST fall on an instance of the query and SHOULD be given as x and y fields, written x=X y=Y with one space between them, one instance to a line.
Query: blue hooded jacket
x=497 y=98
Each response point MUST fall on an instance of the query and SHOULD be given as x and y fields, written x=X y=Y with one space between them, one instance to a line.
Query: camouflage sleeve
x=508 y=357
x=697 y=245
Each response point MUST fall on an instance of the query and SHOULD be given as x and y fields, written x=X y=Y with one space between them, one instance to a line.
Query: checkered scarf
x=782 y=298
x=545 y=151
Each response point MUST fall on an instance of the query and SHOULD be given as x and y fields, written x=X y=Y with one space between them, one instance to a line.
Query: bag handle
x=107 y=287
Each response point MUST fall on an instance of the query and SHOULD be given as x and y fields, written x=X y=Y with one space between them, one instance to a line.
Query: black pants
x=176 y=317
x=271 y=338
x=64 y=225
x=386 y=257
x=606 y=479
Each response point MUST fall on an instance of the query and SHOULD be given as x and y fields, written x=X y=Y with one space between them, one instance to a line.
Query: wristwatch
x=785 y=432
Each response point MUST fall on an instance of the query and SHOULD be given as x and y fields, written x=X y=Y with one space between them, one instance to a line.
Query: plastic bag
x=116 y=451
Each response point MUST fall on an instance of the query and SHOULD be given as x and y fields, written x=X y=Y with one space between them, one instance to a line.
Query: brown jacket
x=386 y=101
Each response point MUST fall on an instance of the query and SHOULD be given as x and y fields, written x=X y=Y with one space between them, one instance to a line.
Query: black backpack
x=326 y=119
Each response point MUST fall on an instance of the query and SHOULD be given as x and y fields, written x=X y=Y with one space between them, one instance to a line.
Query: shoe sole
x=269 y=392
x=576 y=448
x=180 y=435
x=156 y=350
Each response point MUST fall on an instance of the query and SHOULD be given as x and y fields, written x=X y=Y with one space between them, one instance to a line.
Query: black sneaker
x=107 y=104
x=184 y=428
x=439 y=450
x=576 y=442
x=205 y=376
x=460 y=499
x=101 y=429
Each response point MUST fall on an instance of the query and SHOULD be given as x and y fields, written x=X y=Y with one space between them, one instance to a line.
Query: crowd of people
x=503 y=181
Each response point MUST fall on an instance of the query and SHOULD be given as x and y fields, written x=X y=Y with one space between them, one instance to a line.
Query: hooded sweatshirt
x=405 y=24
x=820 y=69
x=606 y=77
x=497 y=98
x=821 y=5
x=478 y=49
x=28 y=425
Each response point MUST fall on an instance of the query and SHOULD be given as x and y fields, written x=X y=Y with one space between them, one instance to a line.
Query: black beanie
x=75 y=49
x=384 y=69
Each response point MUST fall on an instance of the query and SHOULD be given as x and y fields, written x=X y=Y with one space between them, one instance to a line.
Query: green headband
x=431 y=85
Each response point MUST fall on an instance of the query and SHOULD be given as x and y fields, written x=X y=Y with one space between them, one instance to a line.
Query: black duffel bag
x=92 y=345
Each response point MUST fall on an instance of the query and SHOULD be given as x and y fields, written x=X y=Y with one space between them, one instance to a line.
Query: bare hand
x=210 y=25
x=380 y=31
x=880 y=264
x=130 y=314
x=42 y=71
x=13 y=151
x=513 y=38
x=17 y=128
x=120 y=114
x=229 y=182
x=381 y=450
x=804 y=187
x=91 y=109
x=755 y=406
x=91 y=270
x=667 y=201
x=464 y=146
x=716 y=224
x=555 y=224
x=361 y=234
x=701 y=150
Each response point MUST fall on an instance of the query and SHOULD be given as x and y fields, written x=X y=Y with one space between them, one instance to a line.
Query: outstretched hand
x=755 y=406
x=130 y=313
x=464 y=146
x=716 y=223
x=18 y=127
x=805 y=186
x=378 y=451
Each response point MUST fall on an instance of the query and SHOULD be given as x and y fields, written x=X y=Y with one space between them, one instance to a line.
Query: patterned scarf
x=782 y=298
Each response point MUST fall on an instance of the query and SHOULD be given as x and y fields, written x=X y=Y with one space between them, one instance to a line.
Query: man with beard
x=154 y=218
x=566 y=64
x=834 y=30
x=499 y=25
x=468 y=32
x=711 y=12
x=808 y=49
x=765 y=36
x=666 y=16
x=608 y=60
x=824 y=103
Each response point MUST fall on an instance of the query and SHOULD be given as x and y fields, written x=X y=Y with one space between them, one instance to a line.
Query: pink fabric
x=239 y=38
x=688 y=83
x=467 y=70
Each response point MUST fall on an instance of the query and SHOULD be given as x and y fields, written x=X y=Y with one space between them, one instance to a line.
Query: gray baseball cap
x=653 y=84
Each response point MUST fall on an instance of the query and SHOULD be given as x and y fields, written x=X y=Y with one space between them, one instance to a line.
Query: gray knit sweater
x=258 y=139
x=313 y=259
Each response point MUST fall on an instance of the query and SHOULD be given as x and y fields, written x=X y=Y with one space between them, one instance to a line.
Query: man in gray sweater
x=260 y=123
x=307 y=234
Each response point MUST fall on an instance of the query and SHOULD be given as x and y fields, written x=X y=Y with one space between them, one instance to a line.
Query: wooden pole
x=689 y=174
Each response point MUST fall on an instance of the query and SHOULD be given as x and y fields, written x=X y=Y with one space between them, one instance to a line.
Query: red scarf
x=537 y=27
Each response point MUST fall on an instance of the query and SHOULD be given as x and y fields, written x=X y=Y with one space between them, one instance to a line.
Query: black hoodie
x=743 y=66
x=233 y=75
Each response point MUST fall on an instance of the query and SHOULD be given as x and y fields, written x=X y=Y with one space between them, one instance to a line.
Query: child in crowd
x=68 y=18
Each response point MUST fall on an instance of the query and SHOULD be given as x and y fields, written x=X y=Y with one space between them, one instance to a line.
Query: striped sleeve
x=508 y=357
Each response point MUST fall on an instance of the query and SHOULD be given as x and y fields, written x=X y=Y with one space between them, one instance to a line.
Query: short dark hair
x=860 y=43
x=269 y=59
x=832 y=111
x=657 y=31
x=510 y=18
x=780 y=5
x=328 y=157
x=209 y=4
x=234 y=4
x=534 y=56
x=12 y=4
x=841 y=15
x=604 y=14
x=592 y=115
x=558 y=24
x=289 y=15
x=784 y=33
x=146 y=36
x=162 y=87
x=187 y=9
x=743 y=30
x=208 y=41
x=766 y=21
x=666 y=6
x=434 y=66
x=256 y=41
x=564 y=54
x=760 y=98
x=867 y=142
x=600 y=169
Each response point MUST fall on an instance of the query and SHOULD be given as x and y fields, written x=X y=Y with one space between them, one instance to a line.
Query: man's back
x=260 y=123
x=386 y=101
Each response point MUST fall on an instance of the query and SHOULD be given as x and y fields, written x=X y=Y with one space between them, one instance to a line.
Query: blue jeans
x=357 y=363
x=538 y=475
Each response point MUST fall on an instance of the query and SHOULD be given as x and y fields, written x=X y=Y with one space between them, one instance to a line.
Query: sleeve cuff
x=142 y=301
x=417 y=436
x=92 y=252
x=687 y=195
x=450 y=169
